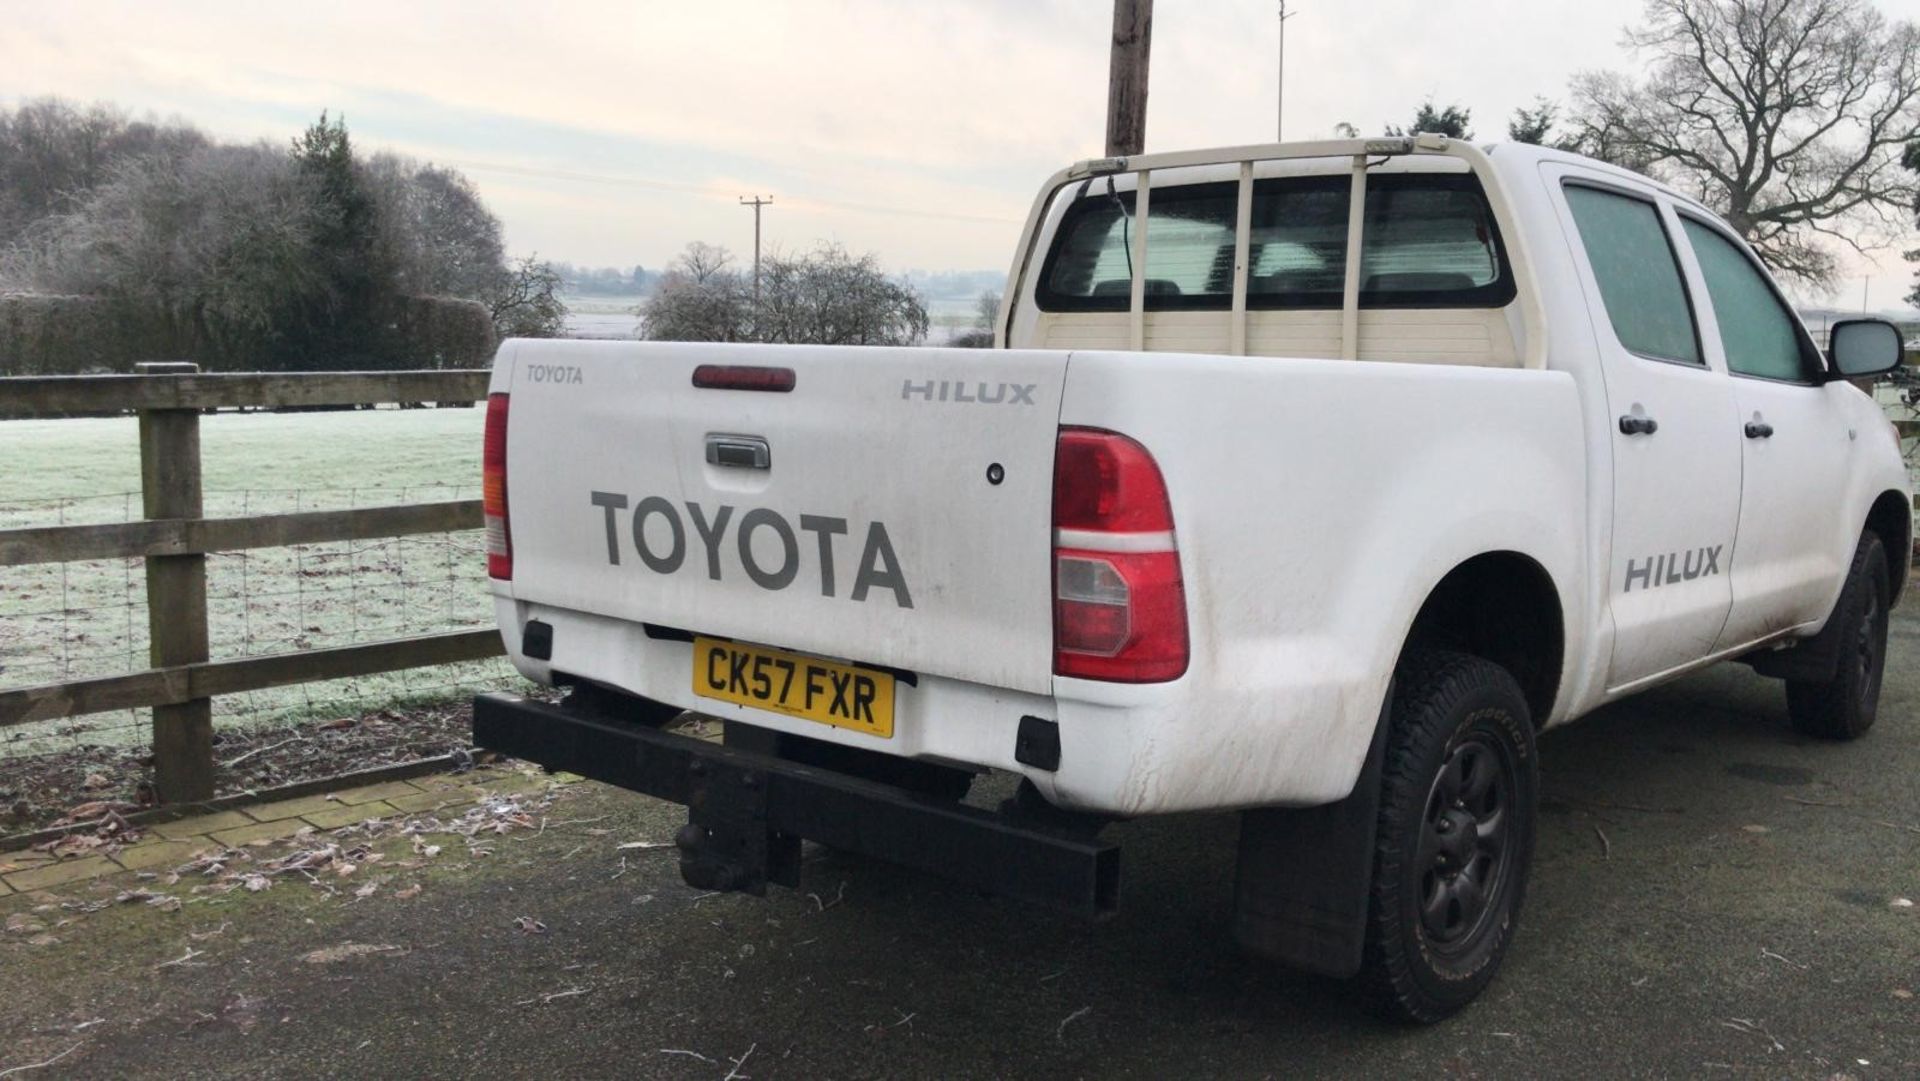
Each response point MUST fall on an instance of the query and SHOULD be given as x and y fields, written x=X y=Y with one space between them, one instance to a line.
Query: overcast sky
x=613 y=133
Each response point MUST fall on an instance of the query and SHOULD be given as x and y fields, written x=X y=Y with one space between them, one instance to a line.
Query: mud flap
x=1303 y=876
x=1813 y=659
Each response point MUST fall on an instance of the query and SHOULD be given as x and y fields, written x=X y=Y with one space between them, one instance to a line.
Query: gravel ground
x=1713 y=897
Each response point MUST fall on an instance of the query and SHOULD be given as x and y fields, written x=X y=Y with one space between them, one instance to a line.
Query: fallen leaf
x=1756 y=829
x=1900 y=902
x=349 y=950
x=43 y=940
x=366 y=891
x=409 y=893
x=1901 y=992
x=95 y=780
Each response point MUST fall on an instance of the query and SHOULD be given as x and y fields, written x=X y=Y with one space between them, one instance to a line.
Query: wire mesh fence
x=64 y=621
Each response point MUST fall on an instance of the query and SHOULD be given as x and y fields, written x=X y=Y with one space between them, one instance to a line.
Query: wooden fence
x=175 y=539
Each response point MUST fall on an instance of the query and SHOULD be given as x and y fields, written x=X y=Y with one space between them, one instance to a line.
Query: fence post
x=176 y=594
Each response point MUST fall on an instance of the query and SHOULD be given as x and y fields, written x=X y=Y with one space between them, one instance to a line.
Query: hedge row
x=72 y=335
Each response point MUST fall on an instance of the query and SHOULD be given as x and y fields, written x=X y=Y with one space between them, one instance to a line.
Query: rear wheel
x=1844 y=707
x=1455 y=834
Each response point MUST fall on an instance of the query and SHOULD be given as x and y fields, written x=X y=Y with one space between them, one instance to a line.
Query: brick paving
x=176 y=842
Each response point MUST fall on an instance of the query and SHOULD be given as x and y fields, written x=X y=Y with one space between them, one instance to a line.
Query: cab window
x=1638 y=275
x=1429 y=242
x=1757 y=330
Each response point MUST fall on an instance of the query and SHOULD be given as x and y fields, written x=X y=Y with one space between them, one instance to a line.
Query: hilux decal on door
x=1673 y=567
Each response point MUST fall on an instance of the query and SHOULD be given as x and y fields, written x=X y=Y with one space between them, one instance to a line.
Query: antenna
x=1280 y=97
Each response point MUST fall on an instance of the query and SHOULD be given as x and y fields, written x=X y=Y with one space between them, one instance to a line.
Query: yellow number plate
x=807 y=687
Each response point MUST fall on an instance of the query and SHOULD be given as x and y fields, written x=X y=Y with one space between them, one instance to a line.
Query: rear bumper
x=757 y=807
x=1239 y=730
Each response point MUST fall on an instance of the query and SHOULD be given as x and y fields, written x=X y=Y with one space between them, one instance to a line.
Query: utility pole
x=756 y=203
x=1280 y=98
x=1127 y=77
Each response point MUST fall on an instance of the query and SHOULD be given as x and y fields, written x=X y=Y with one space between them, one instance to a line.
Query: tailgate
x=875 y=531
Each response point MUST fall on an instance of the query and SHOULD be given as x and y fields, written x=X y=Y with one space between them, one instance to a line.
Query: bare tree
x=827 y=297
x=832 y=298
x=1788 y=117
x=52 y=152
x=700 y=298
x=986 y=312
x=440 y=236
x=526 y=301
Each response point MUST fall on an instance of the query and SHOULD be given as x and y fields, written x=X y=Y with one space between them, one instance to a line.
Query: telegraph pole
x=1280 y=98
x=756 y=203
x=1127 y=77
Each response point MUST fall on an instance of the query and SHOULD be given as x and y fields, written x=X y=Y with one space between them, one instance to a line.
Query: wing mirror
x=1864 y=348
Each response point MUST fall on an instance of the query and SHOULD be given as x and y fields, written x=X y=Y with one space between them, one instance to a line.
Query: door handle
x=739 y=451
x=1635 y=424
x=1759 y=429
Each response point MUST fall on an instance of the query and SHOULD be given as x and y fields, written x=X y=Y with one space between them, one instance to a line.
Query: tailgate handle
x=739 y=451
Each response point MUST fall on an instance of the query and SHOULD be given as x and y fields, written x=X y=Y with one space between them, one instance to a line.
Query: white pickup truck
x=1306 y=480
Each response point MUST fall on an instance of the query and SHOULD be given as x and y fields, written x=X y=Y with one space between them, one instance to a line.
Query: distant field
x=602 y=317
x=61 y=621
x=615 y=317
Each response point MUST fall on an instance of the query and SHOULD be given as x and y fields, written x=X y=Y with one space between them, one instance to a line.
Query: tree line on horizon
x=306 y=255
x=826 y=296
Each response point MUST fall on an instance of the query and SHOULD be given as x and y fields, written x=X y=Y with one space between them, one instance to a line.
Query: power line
x=696 y=189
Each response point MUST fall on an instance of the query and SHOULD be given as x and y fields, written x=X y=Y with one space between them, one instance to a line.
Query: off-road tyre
x=1460 y=759
x=1844 y=707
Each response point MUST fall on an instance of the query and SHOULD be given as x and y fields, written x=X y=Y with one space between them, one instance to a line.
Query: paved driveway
x=1713 y=896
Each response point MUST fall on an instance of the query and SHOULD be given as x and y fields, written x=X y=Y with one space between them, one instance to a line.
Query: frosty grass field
x=72 y=620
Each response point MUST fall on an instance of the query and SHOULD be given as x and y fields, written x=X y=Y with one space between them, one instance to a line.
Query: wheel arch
x=1891 y=517
x=1502 y=606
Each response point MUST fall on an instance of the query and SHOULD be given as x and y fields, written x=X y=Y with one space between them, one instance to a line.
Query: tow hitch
x=748 y=811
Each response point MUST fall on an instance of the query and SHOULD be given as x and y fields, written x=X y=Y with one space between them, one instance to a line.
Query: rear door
x=892 y=508
x=1676 y=459
x=1795 y=442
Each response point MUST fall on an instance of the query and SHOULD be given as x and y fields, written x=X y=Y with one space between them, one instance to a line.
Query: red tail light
x=1119 y=606
x=493 y=490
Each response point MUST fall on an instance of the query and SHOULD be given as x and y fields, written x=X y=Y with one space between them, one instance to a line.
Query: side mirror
x=1864 y=348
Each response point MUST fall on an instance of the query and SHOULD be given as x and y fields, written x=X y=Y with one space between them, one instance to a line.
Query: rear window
x=1429 y=242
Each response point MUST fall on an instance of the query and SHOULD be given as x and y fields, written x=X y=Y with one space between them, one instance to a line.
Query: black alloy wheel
x=1845 y=706
x=1467 y=846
